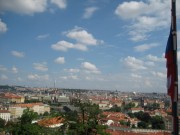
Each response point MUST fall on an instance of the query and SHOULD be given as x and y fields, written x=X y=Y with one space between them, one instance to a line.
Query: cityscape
x=61 y=111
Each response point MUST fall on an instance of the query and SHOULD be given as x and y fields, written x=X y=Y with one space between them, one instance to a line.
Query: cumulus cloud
x=17 y=54
x=82 y=36
x=3 y=27
x=82 y=40
x=145 y=47
x=28 y=7
x=40 y=66
x=134 y=63
x=144 y=19
x=36 y=77
x=90 y=68
x=62 y=4
x=14 y=70
x=155 y=58
x=62 y=46
x=89 y=12
x=129 y=10
x=60 y=60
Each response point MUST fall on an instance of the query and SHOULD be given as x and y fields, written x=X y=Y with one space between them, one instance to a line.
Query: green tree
x=115 y=109
x=87 y=122
x=153 y=106
x=129 y=106
x=142 y=124
x=27 y=116
x=2 y=123
x=157 y=122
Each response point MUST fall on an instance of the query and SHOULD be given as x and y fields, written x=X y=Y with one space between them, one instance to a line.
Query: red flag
x=169 y=55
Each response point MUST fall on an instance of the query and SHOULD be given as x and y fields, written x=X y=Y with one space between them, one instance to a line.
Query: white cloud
x=155 y=58
x=89 y=12
x=73 y=77
x=90 y=68
x=14 y=70
x=62 y=4
x=62 y=46
x=145 y=47
x=159 y=74
x=2 y=68
x=40 y=66
x=150 y=63
x=80 y=47
x=36 y=77
x=72 y=70
x=82 y=36
x=129 y=10
x=17 y=54
x=28 y=7
x=143 y=18
x=39 y=37
x=134 y=64
x=136 y=76
x=59 y=60
x=3 y=27
x=4 y=77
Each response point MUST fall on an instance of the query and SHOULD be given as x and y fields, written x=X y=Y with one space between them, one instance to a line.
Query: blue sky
x=91 y=44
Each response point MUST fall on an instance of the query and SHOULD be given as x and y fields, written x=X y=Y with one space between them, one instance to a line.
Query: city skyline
x=87 y=44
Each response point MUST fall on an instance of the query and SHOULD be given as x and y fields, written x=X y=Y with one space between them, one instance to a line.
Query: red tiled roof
x=4 y=111
x=134 y=133
x=29 y=105
x=50 y=121
x=10 y=95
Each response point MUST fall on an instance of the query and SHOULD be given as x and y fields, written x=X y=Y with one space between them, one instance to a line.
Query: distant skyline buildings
x=89 y=44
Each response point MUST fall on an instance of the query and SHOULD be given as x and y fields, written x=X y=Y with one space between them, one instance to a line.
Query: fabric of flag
x=169 y=55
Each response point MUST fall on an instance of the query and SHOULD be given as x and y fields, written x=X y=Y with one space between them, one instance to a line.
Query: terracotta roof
x=50 y=121
x=4 y=111
x=9 y=95
x=29 y=105
x=134 y=133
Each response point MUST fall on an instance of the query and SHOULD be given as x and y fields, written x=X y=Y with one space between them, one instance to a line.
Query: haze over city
x=104 y=44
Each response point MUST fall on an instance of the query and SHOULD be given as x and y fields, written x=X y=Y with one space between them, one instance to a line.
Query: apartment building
x=17 y=109
x=5 y=115
x=11 y=98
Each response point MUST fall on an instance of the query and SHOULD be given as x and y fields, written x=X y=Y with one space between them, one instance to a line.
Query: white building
x=5 y=115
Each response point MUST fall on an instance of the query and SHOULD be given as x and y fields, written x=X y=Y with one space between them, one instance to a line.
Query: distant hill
x=7 y=87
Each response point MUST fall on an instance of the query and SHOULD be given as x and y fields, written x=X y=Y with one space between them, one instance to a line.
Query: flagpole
x=175 y=99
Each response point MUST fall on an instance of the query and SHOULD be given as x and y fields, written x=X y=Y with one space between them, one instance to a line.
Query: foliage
x=2 y=123
x=143 y=116
x=157 y=122
x=27 y=116
x=87 y=121
x=142 y=124
x=131 y=115
x=125 y=123
x=129 y=106
x=153 y=106
x=115 y=109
